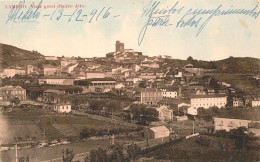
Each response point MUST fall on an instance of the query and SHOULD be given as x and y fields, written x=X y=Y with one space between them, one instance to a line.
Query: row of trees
x=114 y=154
x=105 y=105
x=241 y=138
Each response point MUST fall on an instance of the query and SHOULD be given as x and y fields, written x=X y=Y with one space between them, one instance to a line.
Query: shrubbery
x=203 y=141
x=86 y=133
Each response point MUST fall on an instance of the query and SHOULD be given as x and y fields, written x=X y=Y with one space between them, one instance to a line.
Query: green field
x=38 y=124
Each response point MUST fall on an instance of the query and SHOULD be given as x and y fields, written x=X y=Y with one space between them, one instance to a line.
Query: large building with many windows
x=207 y=101
x=96 y=84
x=148 y=96
x=8 y=93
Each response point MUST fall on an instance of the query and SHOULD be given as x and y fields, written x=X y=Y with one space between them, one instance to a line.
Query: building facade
x=29 y=69
x=120 y=47
x=169 y=94
x=97 y=74
x=157 y=132
x=96 y=85
x=8 y=93
x=165 y=113
x=62 y=108
x=11 y=72
x=207 y=101
x=56 y=81
x=148 y=96
x=255 y=102
x=228 y=124
x=50 y=70
x=238 y=102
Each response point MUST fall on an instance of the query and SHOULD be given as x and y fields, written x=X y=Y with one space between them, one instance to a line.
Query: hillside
x=238 y=64
x=13 y=56
x=229 y=65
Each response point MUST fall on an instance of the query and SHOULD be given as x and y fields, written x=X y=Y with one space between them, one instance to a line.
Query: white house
x=11 y=72
x=56 y=81
x=157 y=132
x=62 y=108
x=255 y=102
x=207 y=101
x=192 y=111
x=165 y=113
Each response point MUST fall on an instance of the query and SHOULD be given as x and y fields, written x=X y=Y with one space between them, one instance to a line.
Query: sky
x=223 y=36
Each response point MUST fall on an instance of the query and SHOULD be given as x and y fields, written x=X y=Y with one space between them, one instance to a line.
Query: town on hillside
x=128 y=106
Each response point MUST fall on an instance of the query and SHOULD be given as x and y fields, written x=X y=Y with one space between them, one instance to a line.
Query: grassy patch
x=37 y=124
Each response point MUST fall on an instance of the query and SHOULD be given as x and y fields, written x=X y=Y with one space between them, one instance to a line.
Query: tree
x=190 y=59
x=241 y=138
x=117 y=153
x=133 y=151
x=150 y=114
x=96 y=105
x=99 y=155
x=138 y=110
x=24 y=159
x=112 y=106
x=15 y=101
x=68 y=155
x=214 y=84
x=142 y=84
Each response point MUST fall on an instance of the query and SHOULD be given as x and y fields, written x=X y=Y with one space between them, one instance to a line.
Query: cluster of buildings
x=152 y=81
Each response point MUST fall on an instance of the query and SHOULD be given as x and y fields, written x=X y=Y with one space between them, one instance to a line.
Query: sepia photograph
x=129 y=80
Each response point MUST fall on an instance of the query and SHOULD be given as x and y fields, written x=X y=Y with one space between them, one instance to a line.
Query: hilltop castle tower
x=120 y=46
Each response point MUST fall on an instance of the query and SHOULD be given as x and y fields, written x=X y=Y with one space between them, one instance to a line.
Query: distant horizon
x=127 y=48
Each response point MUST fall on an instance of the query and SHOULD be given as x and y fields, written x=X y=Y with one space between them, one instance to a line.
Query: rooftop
x=11 y=87
x=53 y=91
x=146 y=90
x=207 y=96
x=159 y=129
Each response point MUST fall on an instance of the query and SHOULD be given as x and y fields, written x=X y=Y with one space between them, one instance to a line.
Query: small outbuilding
x=157 y=132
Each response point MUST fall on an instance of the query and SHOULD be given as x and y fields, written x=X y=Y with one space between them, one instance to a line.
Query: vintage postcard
x=129 y=80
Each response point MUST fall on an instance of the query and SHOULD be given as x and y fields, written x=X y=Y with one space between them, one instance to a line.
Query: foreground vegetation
x=208 y=148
